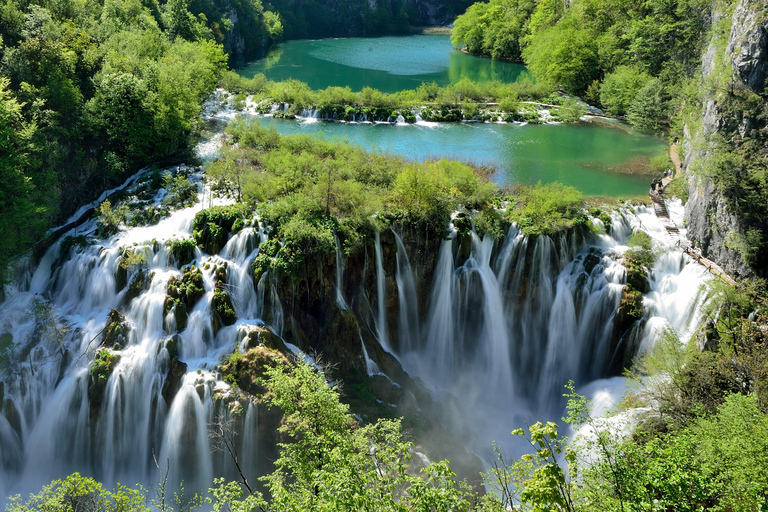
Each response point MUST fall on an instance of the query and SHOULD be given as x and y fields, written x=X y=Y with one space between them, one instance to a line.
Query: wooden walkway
x=660 y=208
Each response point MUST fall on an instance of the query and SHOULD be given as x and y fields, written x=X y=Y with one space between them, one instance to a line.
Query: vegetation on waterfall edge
x=464 y=100
x=310 y=194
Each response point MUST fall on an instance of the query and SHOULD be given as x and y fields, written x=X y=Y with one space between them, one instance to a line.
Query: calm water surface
x=389 y=64
x=585 y=157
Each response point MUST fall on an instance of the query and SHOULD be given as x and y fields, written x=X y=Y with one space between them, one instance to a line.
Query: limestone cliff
x=724 y=156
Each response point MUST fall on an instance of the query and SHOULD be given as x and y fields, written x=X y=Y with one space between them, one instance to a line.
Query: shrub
x=211 y=227
x=103 y=365
x=182 y=251
x=546 y=209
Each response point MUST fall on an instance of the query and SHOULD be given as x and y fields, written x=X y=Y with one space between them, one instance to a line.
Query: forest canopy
x=630 y=58
x=90 y=92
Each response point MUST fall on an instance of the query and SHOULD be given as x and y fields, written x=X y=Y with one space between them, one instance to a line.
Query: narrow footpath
x=660 y=208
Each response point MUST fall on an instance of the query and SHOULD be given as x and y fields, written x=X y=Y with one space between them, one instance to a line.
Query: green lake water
x=590 y=158
x=582 y=156
x=389 y=64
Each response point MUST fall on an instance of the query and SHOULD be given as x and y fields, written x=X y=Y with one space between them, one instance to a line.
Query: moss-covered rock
x=139 y=284
x=261 y=336
x=182 y=251
x=115 y=334
x=101 y=369
x=212 y=227
x=246 y=370
x=223 y=308
x=183 y=293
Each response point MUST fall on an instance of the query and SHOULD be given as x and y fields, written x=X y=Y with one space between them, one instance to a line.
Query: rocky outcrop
x=115 y=334
x=748 y=43
x=182 y=294
x=710 y=223
x=714 y=217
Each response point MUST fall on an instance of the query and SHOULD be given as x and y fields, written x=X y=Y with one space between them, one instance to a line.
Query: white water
x=503 y=330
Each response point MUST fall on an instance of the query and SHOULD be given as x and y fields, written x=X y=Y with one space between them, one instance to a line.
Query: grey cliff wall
x=710 y=222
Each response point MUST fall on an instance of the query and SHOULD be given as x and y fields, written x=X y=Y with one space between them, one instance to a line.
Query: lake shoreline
x=583 y=155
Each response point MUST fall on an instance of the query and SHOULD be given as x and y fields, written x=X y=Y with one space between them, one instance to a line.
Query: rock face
x=748 y=44
x=713 y=225
x=710 y=223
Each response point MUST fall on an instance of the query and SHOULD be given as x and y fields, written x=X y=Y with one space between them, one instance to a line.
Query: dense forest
x=93 y=91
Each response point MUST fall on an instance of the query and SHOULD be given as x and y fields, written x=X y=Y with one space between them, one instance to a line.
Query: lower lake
x=593 y=159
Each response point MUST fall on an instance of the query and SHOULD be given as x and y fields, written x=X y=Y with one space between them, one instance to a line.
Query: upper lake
x=389 y=64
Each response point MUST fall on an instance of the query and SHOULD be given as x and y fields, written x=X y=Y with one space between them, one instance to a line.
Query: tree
x=619 y=88
x=564 y=55
x=80 y=494
x=22 y=208
x=649 y=110
x=332 y=463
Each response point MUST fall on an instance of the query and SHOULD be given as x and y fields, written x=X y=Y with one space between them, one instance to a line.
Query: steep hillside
x=726 y=143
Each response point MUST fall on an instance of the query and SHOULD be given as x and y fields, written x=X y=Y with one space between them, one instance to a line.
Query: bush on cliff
x=306 y=190
x=546 y=209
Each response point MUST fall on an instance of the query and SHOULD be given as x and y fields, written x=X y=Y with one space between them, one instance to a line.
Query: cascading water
x=505 y=325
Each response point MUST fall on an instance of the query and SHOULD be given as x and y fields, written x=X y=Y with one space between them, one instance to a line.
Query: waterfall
x=381 y=290
x=340 y=277
x=407 y=299
x=499 y=324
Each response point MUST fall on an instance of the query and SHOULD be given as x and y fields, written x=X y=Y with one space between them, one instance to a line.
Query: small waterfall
x=340 y=277
x=408 y=299
x=249 y=452
x=381 y=291
x=440 y=327
x=186 y=445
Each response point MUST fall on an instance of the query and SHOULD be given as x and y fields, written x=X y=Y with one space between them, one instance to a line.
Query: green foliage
x=334 y=464
x=182 y=250
x=649 y=110
x=493 y=28
x=620 y=87
x=434 y=102
x=109 y=219
x=94 y=91
x=565 y=55
x=306 y=190
x=180 y=191
x=546 y=209
x=641 y=249
x=133 y=258
x=212 y=226
x=570 y=111
x=222 y=305
x=103 y=365
x=77 y=493
x=24 y=206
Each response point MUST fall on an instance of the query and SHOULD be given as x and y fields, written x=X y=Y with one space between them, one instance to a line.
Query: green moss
x=103 y=365
x=247 y=370
x=546 y=209
x=222 y=305
x=182 y=251
x=182 y=294
x=212 y=226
